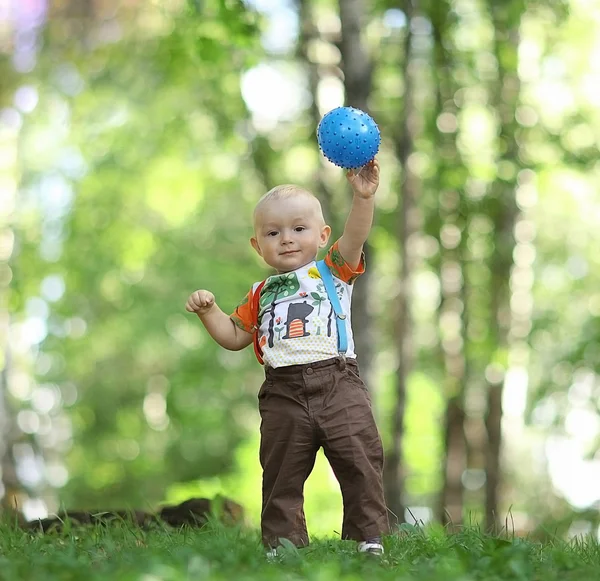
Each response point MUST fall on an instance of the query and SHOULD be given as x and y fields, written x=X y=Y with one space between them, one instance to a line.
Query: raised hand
x=366 y=181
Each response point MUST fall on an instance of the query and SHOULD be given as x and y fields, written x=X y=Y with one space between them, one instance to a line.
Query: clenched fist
x=200 y=302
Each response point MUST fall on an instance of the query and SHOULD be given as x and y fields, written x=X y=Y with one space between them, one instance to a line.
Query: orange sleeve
x=242 y=316
x=340 y=268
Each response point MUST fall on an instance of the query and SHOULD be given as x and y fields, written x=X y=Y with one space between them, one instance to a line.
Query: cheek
x=269 y=244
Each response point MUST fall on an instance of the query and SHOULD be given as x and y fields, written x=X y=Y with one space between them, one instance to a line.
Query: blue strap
x=340 y=317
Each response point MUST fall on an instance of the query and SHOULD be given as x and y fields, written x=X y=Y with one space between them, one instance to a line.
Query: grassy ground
x=123 y=553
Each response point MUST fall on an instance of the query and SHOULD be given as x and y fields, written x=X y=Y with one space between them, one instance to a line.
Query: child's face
x=289 y=232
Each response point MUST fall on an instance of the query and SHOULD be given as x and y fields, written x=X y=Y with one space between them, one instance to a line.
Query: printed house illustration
x=297 y=320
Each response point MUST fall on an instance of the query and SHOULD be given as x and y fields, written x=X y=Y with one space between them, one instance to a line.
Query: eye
x=272 y=233
x=299 y=229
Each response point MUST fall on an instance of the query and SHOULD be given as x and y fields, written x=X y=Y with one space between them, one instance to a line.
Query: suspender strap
x=340 y=317
x=254 y=309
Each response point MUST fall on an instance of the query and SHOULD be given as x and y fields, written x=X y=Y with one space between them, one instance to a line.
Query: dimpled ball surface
x=348 y=137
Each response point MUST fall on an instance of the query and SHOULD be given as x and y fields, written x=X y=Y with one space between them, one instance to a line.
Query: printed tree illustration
x=277 y=286
x=317 y=322
x=339 y=289
x=318 y=299
x=321 y=289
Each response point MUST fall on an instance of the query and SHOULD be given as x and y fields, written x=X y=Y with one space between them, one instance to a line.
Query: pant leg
x=287 y=455
x=353 y=447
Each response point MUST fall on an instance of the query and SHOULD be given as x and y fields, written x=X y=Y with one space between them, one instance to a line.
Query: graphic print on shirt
x=319 y=297
x=297 y=318
x=278 y=286
x=302 y=318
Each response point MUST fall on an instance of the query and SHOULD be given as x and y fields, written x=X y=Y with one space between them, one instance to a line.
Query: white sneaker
x=372 y=547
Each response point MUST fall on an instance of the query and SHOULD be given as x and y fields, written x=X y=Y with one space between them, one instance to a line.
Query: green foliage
x=139 y=169
x=137 y=236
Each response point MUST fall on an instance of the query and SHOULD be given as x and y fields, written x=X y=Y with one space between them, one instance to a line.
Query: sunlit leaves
x=135 y=240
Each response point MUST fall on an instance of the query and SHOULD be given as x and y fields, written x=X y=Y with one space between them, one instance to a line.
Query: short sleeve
x=340 y=268
x=242 y=316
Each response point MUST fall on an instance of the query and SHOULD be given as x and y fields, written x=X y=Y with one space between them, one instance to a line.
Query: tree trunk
x=455 y=442
x=453 y=304
x=408 y=225
x=358 y=70
x=506 y=43
x=308 y=33
x=10 y=486
x=452 y=495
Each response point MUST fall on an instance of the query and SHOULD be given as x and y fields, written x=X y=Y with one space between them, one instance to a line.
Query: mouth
x=289 y=252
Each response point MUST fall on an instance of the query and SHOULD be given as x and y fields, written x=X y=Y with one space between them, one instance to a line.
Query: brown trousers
x=304 y=407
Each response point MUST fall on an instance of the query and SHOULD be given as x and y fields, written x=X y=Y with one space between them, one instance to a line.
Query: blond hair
x=284 y=192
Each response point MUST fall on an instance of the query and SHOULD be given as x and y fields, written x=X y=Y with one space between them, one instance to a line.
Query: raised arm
x=218 y=324
x=358 y=224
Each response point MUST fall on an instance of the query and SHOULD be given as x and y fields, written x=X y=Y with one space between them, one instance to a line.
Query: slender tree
x=505 y=95
x=451 y=234
x=9 y=482
x=310 y=35
x=10 y=485
x=408 y=225
x=357 y=66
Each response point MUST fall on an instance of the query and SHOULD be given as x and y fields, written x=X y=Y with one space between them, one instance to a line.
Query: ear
x=255 y=245
x=325 y=234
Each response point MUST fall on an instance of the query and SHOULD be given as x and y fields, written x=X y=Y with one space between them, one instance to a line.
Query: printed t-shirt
x=296 y=322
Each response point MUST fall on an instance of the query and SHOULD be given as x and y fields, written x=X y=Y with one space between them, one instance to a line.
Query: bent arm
x=224 y=331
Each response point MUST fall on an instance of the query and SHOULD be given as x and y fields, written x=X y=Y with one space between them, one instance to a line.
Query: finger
x=205 y=302
x=196 y=301
x=373 y=169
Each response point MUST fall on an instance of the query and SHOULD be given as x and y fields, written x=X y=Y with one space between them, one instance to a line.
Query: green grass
x=123 y=553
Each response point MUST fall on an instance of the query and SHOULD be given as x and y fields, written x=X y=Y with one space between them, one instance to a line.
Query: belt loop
x=342 y=361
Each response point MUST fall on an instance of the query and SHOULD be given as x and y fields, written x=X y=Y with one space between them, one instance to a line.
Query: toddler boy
x=312 y=395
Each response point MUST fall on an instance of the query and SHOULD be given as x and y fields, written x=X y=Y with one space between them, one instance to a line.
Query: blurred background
x=135 y=138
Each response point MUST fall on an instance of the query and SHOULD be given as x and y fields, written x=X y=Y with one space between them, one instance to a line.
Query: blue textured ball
x=348 y=137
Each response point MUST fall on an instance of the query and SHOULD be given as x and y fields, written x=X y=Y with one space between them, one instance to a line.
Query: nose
x=286 y=237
